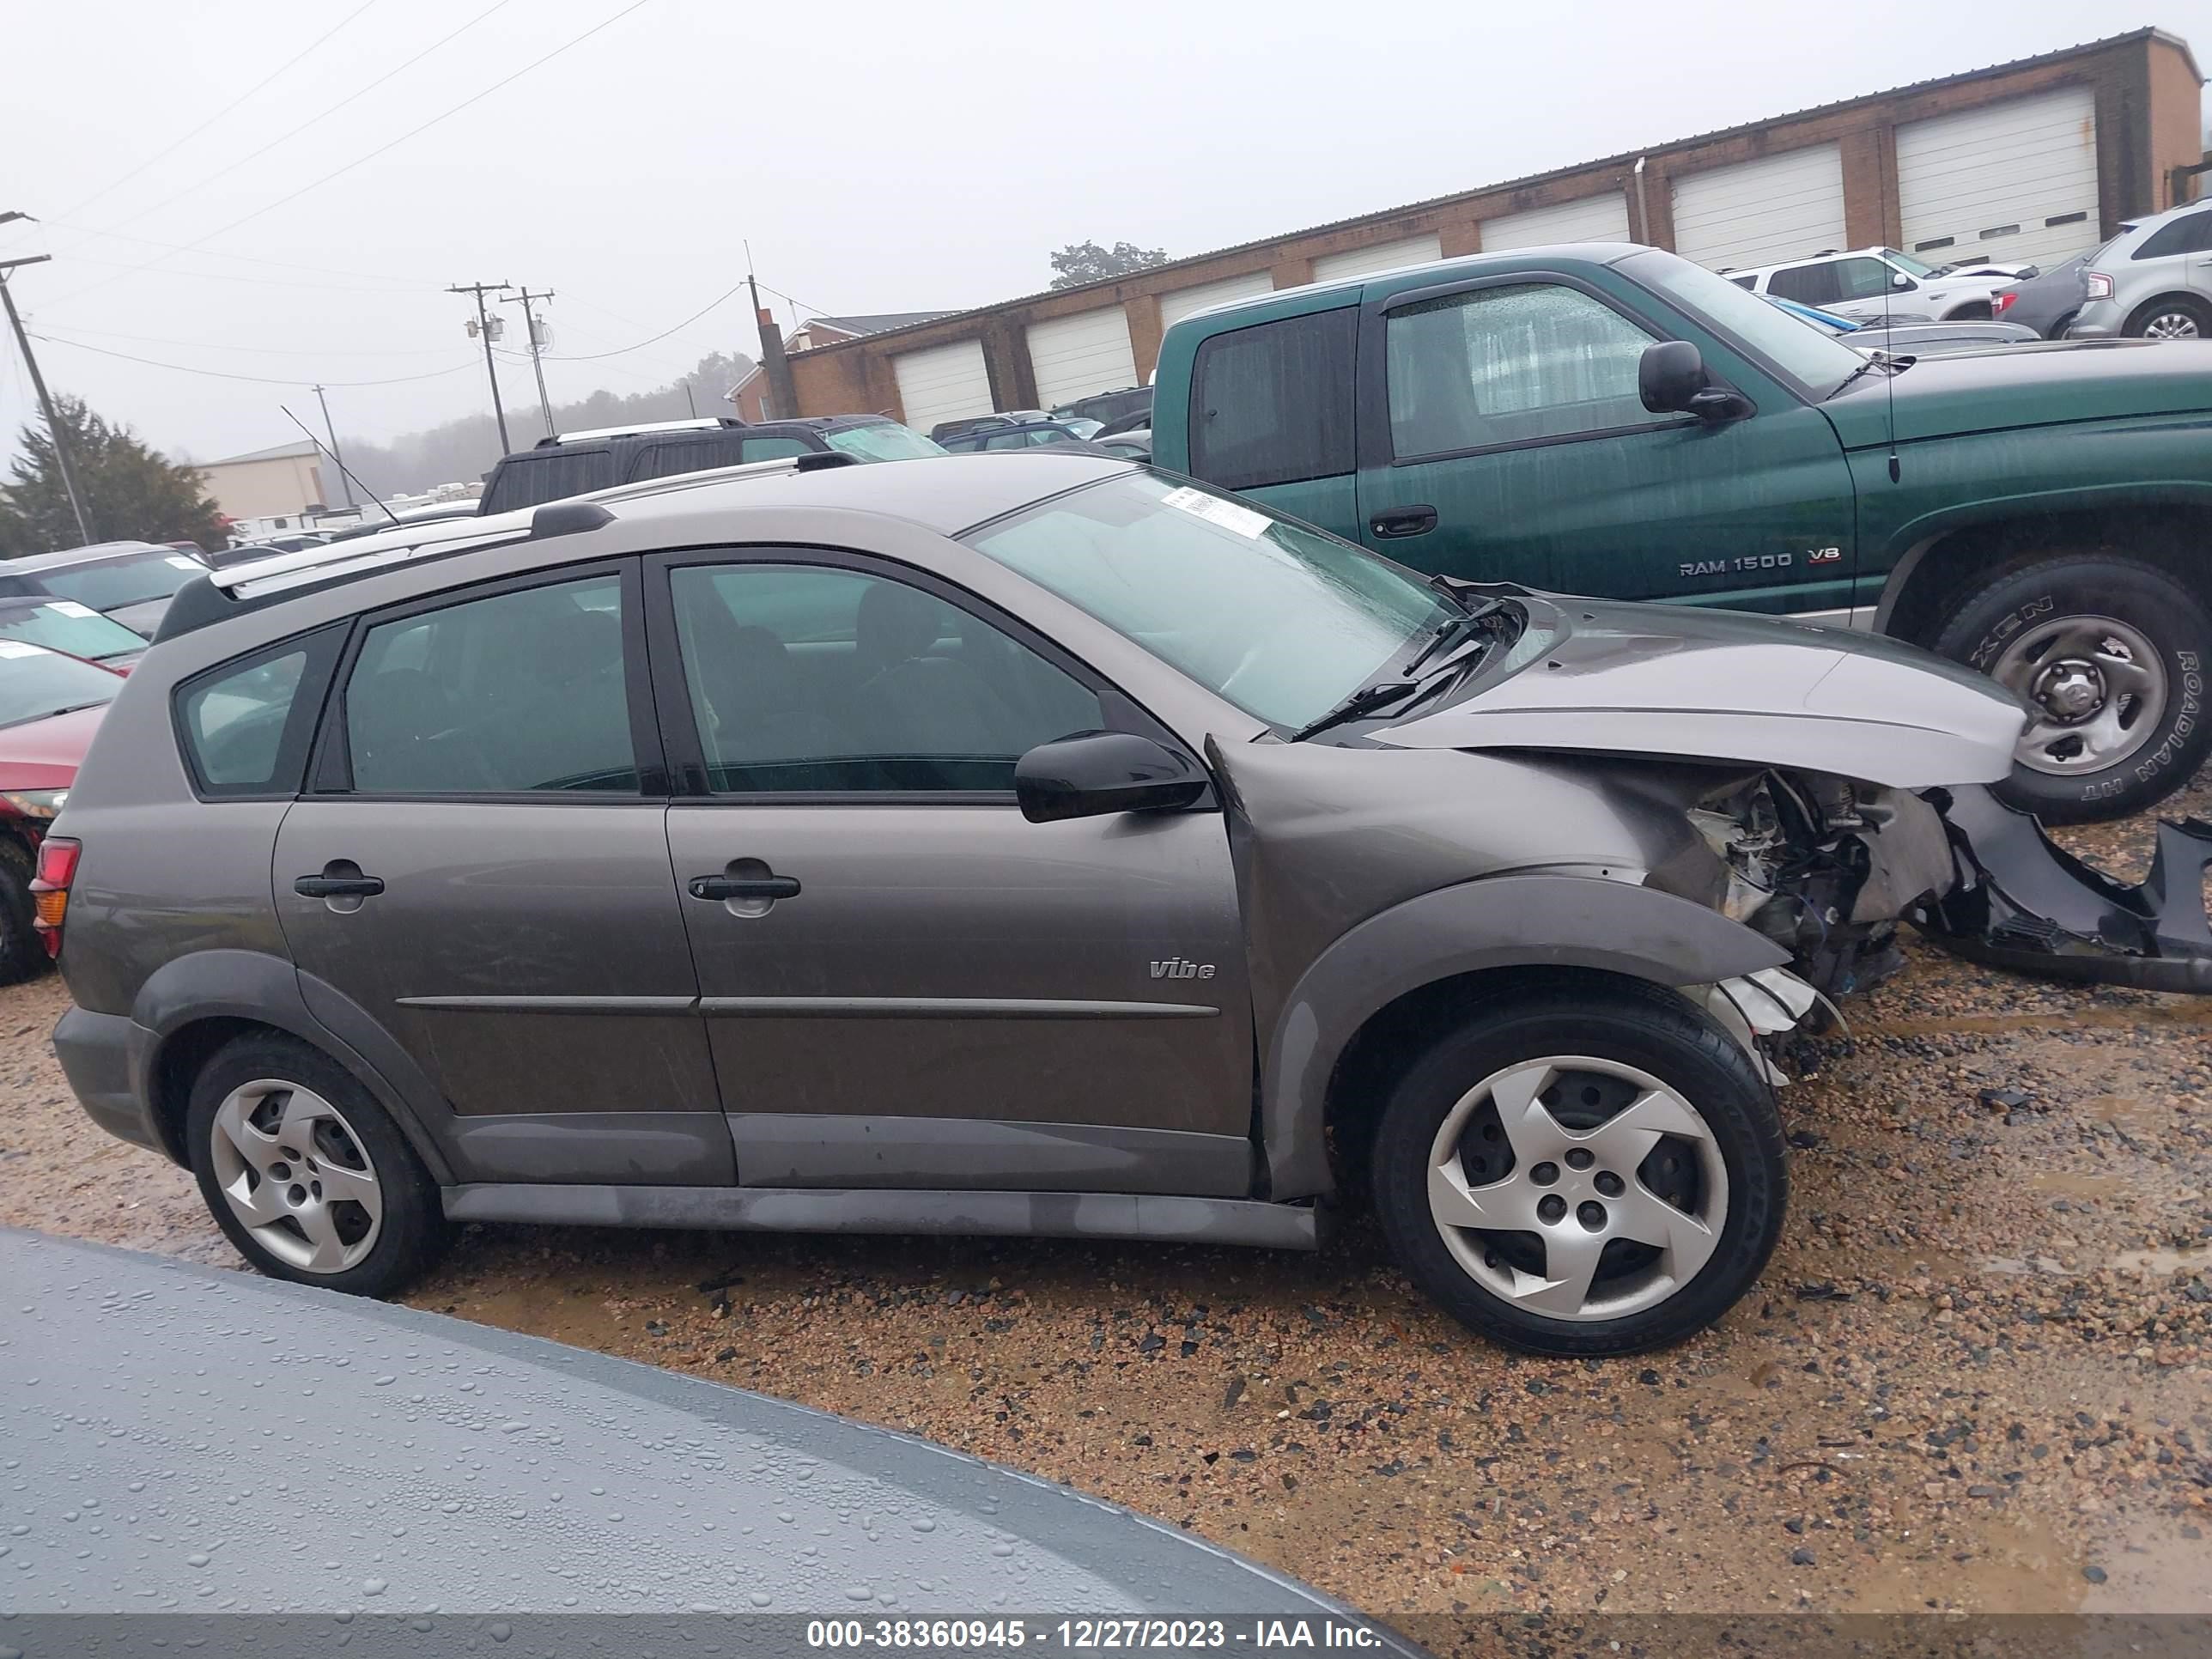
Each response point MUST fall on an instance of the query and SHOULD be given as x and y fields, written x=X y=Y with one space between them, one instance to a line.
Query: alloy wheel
x=296 y=1175
x=2170 y=326
x=2096 y=687
x=1576 y=1188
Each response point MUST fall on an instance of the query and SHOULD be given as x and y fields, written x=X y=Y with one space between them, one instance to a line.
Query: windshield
x=888 y=442
x=1907 y=264
x=66 y=625
x=1817 y=362
x=113 y=583
x=34 y=683
x=1282 y=621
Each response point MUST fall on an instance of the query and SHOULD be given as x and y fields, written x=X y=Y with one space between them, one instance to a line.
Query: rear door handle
x=1392 y=522
x=743 y=887
x=323 y=887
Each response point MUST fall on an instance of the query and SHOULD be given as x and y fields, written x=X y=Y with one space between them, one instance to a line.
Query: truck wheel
x=305 y=1173
x=23 y=952
x=2110 y=655
x=1580 y=1172
x=2173 y=318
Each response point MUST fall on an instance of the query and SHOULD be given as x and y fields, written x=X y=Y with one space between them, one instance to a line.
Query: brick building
x=2028 y=160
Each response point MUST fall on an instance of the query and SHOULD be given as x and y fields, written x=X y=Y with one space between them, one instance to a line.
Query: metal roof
x=274 y=452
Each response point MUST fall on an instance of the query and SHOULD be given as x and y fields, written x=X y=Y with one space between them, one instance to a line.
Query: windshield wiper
x=1365 y=700
x=1875 y=360
x=1455 y=628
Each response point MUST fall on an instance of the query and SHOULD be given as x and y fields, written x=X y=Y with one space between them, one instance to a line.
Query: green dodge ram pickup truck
x=1612 y=420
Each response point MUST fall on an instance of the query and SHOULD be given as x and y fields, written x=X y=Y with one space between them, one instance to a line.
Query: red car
x=51 y=704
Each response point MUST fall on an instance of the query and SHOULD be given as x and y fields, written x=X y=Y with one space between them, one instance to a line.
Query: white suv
x=1872 y=281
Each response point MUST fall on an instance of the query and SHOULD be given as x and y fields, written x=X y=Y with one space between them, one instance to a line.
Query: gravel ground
x=1977 y=1375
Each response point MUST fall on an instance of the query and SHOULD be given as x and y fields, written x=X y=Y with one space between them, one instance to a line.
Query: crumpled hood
x=1670 y=680
x=2042 y=384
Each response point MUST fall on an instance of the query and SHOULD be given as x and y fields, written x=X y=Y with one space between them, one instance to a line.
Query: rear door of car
x=905 y=982
x=1502 y=437
x=480 y=864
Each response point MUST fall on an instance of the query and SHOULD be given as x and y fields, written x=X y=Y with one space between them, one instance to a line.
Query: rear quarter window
x=1272 y=403
x=245 y=726
x=532 y=480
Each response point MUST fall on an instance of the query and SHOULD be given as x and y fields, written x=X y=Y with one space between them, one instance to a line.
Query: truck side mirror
x=1671 y=380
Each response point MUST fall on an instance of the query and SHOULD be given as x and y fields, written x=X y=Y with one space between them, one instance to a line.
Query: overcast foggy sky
x=878 y=157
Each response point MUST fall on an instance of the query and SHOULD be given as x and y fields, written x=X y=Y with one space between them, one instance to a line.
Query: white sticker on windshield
x=17 y=649
x=1228 y=514
x=70 y=608
x=184 y=563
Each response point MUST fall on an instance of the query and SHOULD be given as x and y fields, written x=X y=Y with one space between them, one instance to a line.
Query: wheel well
x=1395 y=1034
x=1974 y=311
x=183 y=1054
x=1965 y=559
x=2181 y=298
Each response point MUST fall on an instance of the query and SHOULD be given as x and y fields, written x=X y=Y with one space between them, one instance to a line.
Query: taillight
x=2095 y=285
x=2002 y=303
x=49 y=888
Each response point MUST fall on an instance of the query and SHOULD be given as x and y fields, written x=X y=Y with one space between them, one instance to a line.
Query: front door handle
x=742 y=887
x=331 y=884
x=1393 y=522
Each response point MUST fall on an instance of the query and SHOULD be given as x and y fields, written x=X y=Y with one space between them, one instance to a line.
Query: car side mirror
x=1093 y=774
x=1904 y=284
x=1671 y=380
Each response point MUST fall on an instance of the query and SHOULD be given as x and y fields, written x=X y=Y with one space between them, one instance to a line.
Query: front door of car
x=1867 y=287
x=1501 y=438
x=481 y=867
x=905 y=982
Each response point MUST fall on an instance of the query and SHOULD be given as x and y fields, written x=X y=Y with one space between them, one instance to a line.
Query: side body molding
x=1526 y=920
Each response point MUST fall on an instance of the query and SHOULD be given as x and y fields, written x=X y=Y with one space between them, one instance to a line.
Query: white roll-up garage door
x=1593 y=219
x=1074 y=356
x=2015 y=182
x=1379 y=256
x=943 y=383
x=1759 y=213
x=1188 y=301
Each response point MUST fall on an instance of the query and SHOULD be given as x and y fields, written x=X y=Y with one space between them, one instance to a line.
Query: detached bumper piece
x=2021 y=903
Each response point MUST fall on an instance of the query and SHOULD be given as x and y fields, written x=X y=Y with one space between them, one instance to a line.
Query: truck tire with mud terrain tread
x=23 y=952
x=306 y=1174
x=2111 y=654
x=1582 y=1171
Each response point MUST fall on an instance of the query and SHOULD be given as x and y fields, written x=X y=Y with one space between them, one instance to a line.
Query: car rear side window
x=1808 y=285
x=246 y=725
x=518 y=693
x=691 y=455
x=773 y=449
x=2191 y=233
x=1272 y=403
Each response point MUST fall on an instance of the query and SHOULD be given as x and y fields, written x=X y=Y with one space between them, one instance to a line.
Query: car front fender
x=1528 y=919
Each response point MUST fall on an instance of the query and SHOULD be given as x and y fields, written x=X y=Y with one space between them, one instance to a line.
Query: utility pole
x=537 y=345
x=484 y=330
x=39 y=385
x=344 y=483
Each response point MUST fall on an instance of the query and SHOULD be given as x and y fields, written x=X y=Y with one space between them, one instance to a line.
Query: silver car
x=1029 y=844
x=2152 y=281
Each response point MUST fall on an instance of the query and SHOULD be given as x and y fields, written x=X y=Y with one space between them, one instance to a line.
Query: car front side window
x=1865 y=279
x=1507 y=365
x=519 y=693
x=810 y=678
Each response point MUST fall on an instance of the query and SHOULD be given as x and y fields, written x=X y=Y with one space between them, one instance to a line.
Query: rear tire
x=306 y=1174
x=23 y=952
x=2112 y=654
x=1529 y=1105
x=2174 y=318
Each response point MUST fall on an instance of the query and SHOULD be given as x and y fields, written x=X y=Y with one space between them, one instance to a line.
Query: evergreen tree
x=131 y=493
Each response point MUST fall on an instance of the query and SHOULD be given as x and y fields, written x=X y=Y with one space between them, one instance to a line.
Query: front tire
x=1582 y=1171
x=306 y=1174
x=2110 y=654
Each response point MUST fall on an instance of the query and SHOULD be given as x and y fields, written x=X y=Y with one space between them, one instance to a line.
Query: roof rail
x=642 y=429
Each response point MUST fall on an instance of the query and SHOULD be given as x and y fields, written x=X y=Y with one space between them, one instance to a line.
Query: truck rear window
x=1272 y=403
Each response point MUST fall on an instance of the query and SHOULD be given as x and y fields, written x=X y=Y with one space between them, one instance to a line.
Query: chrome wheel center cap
x=2070 y=690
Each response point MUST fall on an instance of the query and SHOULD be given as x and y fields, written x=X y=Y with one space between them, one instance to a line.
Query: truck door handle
x=332 y=884
x=743 y=887
x=1392 y=522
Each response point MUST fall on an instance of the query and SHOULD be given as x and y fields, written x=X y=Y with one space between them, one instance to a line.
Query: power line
x=337 y=172
x=258 y=380
x=625 y=351
x=320 y=115
x=180 y=143
x=228 y=253
x=260 y=351
x=323 y=286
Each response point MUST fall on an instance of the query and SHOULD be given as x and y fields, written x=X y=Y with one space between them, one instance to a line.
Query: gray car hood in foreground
x=177 y=1440
x=1722 y=685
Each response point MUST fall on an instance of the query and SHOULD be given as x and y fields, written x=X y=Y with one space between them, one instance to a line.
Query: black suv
x=577 y=463
x=1108 y=408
